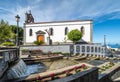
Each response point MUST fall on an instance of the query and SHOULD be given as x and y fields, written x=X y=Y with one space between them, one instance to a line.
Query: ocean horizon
x=114 y=45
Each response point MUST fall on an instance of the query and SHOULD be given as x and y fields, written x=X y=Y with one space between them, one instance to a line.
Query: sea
x=114 y=45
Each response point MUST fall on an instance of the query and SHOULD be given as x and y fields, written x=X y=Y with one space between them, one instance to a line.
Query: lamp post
x=17 y=35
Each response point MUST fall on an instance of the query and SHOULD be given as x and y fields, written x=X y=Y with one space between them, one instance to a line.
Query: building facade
x=55 y=31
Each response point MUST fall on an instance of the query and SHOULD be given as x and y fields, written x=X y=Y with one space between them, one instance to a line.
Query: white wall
x=59 y=30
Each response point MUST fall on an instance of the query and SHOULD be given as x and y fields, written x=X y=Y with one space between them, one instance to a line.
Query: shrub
x=74 y=35
x=24 y=49
x=111 y=63
x=8 y=44
x=57 y=52
x=44 y=53
x=65 y=54
x=112 y=49
x=76 y=68
x=38 y=42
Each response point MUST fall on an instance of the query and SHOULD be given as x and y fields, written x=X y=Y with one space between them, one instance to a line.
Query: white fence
x=89 y=49
x=86 y=49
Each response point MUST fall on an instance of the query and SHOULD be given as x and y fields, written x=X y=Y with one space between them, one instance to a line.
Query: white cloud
x=43 y=10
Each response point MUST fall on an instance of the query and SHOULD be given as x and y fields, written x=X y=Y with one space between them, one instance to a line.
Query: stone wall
x=8 y=56
x=83 y=49
x=110 y=74
x=85 y=76
x=92 y=75
x=47 y=48
x=115 y=72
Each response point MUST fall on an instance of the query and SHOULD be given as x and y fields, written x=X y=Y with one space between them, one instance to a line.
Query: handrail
x=8 y=50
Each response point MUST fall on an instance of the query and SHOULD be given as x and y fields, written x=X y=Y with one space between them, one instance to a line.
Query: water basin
x=21 y=70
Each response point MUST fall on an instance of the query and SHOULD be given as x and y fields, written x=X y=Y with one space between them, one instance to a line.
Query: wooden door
x=40 y=38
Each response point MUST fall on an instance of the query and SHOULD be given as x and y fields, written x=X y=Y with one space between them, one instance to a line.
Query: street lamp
x=17 y=35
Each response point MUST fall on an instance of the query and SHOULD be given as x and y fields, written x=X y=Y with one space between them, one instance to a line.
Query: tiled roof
x=59 y=21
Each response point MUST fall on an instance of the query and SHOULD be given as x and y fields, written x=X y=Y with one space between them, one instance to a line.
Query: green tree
x=5 y=32
x=74 y=35
x=20 y=31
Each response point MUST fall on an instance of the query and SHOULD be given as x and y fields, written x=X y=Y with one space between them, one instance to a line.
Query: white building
x=58 y=30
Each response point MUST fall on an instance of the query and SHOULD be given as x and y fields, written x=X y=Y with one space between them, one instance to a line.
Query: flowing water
x=17 y=70
x=21 y=70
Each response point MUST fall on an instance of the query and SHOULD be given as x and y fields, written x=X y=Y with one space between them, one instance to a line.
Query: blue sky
x=104 y=13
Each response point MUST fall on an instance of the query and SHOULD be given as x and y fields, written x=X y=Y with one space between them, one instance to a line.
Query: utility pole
x=105 y=43
x=104 y=40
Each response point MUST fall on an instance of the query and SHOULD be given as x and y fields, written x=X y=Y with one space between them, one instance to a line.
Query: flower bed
x=60 y=73
x=105 y=67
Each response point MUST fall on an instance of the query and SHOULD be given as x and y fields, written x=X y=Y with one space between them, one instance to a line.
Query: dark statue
x=29 y=18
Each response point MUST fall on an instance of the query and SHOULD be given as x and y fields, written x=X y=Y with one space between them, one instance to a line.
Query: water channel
x=20 y=70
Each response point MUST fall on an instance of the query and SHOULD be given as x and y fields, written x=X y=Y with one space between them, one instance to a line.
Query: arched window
x=92 y=49
x=30 y=32
x=88 y=48
x=82 y=30
x=66 y=30
x=51 y=31
x=83 y=48
x=95 y=49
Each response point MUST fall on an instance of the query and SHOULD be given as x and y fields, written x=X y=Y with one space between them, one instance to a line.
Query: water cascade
x=21 y=69
x=17 y=70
